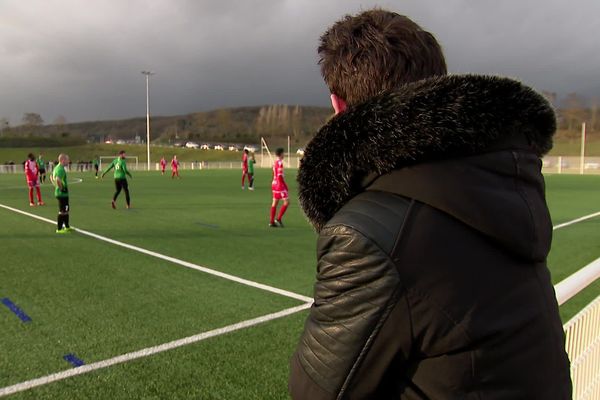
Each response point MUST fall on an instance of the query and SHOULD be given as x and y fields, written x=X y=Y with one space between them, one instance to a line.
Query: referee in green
x=120 y=175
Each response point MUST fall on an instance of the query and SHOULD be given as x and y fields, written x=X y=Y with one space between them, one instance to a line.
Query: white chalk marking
x=19 y=387
x=174 y=260
x=575 y=221
x=25 y=187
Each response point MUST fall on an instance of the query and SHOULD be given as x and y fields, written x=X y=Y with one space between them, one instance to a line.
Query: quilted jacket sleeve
x=357 y=289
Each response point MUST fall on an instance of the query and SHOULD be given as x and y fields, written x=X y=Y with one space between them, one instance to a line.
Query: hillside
x=227 y=125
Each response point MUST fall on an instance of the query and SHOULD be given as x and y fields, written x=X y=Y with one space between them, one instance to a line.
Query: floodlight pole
x=582 y=158
x=148 y=73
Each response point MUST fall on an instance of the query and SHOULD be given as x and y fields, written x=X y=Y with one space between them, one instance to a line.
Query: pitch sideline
x=174 y=260
x=84 y=369
x=74 y=182
x=19 y=387
x=575 y=221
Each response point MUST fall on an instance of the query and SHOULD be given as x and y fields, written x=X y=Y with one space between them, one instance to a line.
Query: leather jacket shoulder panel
x=357 y=288
x=377 y=215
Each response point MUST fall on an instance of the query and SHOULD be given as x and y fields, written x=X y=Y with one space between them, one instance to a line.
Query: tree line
x=227 y=125
x=572 y=111
x=240 y=125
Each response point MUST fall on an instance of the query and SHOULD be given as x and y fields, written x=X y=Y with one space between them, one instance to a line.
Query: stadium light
x=148 y=73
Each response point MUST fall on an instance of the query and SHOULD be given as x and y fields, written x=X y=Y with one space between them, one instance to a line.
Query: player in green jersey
x=42 y=168
x=251 y=162
x=120 y=175
x=61 y=192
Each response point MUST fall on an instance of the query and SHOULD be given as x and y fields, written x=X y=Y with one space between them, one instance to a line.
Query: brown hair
x=376 y=50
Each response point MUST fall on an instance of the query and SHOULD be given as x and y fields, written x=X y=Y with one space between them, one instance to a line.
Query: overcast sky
x=82 y=59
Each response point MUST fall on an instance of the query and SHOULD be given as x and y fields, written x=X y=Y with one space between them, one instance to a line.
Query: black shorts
x=63 y=205
x=42 y=170
x=96 y=167
x=121 y=184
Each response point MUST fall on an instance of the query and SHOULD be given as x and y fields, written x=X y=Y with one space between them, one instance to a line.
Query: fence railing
x=582 y=334
x=571 y=165
x=292 y=162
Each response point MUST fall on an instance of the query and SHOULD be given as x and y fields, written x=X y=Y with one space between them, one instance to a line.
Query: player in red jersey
x=174 y=167
x=32 y=173
x=245 y=168
x=163 y=165
x=280 y=191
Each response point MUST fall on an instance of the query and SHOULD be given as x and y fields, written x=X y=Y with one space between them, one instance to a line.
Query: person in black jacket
x=433 y=228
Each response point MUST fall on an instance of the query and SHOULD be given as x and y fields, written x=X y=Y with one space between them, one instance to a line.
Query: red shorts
x=33 y=184
x=279 y=192
x=280 y=195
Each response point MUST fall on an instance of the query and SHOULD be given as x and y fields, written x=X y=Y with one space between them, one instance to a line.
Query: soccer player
x=42 y=168
x=61 y=192
x=96 y=166
x=251 y=162
x=174 y=167
x=245 y=168
x=280 y=191
x=33 y=181
x=120 y=175
x=163 y=165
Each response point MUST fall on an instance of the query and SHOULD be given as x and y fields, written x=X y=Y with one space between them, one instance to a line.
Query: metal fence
x=290 y=162
x=583 y=346
x=582 y=334
x=551 y=164
x=571 y=165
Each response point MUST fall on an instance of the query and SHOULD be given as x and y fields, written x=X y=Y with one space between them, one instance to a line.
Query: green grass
x=98 y=300
x=89 y=151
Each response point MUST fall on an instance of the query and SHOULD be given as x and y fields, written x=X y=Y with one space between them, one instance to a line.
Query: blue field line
x=16 y=310
x=73 y=360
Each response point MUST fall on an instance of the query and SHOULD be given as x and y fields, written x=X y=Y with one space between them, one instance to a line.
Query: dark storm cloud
x=83 y=59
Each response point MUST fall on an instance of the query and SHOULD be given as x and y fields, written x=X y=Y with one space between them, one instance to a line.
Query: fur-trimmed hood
x=434 y=119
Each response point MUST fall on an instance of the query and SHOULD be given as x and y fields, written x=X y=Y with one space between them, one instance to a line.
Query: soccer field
x=189 y=294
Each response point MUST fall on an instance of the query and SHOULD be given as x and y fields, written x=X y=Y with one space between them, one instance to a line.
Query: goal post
x=263 y=148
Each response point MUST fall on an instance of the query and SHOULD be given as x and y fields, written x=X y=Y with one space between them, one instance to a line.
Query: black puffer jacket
x=433 y=235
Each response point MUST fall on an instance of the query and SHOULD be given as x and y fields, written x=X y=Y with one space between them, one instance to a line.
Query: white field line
x=24 y=187
x=575 y=221
x=19 y=387
x=177 y=261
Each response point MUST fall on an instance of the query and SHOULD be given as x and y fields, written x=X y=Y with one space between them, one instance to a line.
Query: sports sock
x=59 y=221
x=282 y=211
x=243 y=178
x=273 y=211
x=66 y=220
x=31 y=195
x=39 y=194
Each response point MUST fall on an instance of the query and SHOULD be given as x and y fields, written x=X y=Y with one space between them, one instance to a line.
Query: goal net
x=264 y=148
